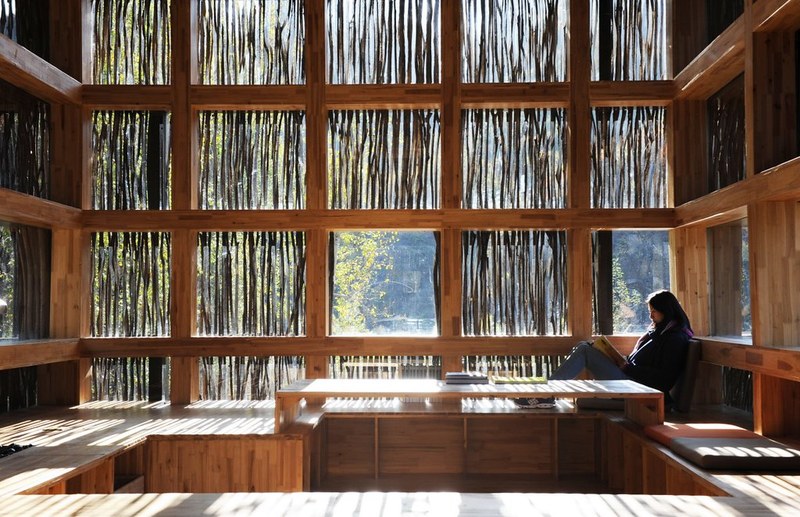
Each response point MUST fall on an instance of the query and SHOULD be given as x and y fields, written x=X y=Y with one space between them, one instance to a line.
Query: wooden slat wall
x=224 y=464
x=689 y=265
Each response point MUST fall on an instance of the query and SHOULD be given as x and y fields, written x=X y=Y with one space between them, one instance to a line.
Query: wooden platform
x=83 y=449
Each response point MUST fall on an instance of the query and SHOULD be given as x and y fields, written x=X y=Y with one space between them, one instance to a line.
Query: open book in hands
x=604 y=345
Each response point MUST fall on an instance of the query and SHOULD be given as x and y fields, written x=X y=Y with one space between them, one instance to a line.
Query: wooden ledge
x=20 y=354
x=33 y=211
x=24 y=69
x=720 y=62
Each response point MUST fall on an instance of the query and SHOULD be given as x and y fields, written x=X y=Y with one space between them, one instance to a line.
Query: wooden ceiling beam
x=275 y=220
x=33 y=211
x=719 y=63
x=24 y=69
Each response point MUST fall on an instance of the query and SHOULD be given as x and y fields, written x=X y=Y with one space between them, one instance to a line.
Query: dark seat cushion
x=668 y=431
x=737 y=453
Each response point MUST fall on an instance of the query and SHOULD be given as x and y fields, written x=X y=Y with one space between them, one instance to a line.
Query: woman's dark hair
x=666 y=303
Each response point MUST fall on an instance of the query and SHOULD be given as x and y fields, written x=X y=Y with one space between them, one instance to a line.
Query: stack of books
x=465 y=378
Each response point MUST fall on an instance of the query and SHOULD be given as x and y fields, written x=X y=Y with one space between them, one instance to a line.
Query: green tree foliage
x=359 y=259
x=383 y=283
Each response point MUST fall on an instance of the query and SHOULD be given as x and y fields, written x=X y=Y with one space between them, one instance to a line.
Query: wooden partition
x=218 y=463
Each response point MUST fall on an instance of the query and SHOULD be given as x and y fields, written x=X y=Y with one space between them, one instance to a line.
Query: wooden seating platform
x=82 y=455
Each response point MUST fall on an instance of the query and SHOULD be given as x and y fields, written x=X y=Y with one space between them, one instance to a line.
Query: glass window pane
x=248 y=378
x=131 y=42
x=252 y=160
x=372 y=42
x=514 y=158
x=7 y=282
x=385 y=367
x=629 y=40
x=726 y=161
x=24 y=142
x=130 y=284
x=628 y=266
x=514 y=41
x=515 y=283
x=629 y=158
x=384 y=283
x=131 y=160
x=388 y=159
x=252 y=42
x=251 y=284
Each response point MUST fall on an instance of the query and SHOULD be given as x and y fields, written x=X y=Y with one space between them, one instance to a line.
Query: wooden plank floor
x=377 y=504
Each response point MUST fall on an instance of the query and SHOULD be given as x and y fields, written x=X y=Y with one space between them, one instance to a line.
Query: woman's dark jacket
x=659 y=357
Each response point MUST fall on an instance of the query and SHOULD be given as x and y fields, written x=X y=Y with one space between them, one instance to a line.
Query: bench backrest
x=683 y=391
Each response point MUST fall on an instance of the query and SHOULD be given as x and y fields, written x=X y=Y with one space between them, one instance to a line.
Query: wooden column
x=317 y=295
x=450 y=274
x=725 y=246
x=688 y=157
x=184 y=386
x=69 y=383
x=579 y=249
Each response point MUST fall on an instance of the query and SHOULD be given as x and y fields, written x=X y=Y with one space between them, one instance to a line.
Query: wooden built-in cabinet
x=360 y=448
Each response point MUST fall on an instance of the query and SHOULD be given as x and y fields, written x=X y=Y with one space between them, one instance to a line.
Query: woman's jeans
x=584 y=355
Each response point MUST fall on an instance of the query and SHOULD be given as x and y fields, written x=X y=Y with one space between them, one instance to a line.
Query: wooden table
x=642 y=404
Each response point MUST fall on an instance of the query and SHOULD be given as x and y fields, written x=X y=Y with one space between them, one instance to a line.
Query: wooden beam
x=776 y=15
x=275 y=220
x=127 y=97
x=20 y=354
x=780 y=183
x=34 y=211
x=630 y=93
x=265 y=97
x=26 y=70
x=516 y=95
x=777 y=362
x=719 y=63
x=323 y=346
x=382 y=96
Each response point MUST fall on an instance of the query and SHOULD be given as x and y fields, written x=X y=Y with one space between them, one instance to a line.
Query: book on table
x=604 y=345
x=465 y=378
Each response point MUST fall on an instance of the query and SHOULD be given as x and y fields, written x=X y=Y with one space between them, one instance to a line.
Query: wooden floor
x=66 y=438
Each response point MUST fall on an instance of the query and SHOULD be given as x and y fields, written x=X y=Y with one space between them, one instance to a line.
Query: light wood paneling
x=776 y=404
x=97 y=480
x=688 y=150
x=774 y=234
x=224 y=464
x=577 y=441
x=514 y=444
x=689 y=272
x=350 y=446
x=69 y=265
x=62 y=383
x=185 y=379
x=402 y=448
x=726 y=280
